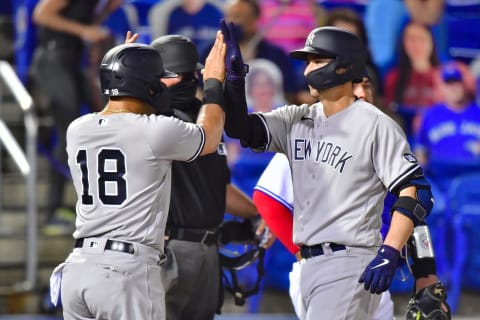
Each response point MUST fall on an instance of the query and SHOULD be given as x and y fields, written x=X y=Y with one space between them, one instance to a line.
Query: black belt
x=317 y=250
x=113 y=245
x=203 y=236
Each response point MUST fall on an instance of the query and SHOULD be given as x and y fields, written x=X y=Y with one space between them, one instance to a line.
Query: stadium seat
x=464 y=205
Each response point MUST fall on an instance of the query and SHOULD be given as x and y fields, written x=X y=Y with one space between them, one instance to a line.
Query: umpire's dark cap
x=179 y=53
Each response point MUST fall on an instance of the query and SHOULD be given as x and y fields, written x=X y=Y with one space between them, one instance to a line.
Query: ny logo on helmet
x=309 y=42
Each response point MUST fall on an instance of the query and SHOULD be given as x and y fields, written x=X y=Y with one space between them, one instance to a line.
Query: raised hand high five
x=236 y=69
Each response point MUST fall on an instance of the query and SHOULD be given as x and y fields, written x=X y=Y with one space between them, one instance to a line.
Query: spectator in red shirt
x=413 y=84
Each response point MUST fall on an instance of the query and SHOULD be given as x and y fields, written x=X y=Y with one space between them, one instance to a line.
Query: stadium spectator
x=194 y=19
x=448 y=140
x=287 y=24
x=448 y=146
x=349 y=19
x=413 y=84
x=390 y=16
x=58 y=72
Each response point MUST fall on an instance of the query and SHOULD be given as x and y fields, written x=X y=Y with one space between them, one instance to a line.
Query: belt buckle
x=205 y=235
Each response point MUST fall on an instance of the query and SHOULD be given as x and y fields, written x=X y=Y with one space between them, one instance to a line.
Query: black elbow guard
x=416 y=209
x=411 y=208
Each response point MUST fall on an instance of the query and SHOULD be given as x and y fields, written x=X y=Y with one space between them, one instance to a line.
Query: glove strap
x=389 y=253
x=234 y=75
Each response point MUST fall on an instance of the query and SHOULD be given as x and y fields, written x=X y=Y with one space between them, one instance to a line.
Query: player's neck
x=337 y=99
x=127 y=105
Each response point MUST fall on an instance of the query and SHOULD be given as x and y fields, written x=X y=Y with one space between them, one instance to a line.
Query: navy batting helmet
x=179 y=54
x=134 y=70
x=344 y=47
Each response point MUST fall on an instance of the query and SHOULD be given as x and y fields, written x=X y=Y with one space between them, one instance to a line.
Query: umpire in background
x=201 y=193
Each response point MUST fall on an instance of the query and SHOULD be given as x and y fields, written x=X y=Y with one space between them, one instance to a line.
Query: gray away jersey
x=120 y=165
x=341 y=168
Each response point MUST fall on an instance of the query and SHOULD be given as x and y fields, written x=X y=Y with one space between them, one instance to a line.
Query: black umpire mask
x=183 y=93
x=161 y=100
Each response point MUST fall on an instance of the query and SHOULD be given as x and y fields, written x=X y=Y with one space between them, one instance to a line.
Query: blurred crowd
x=424 y=64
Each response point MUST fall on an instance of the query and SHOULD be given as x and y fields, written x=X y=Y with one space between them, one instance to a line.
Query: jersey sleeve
x=174 y=139
x=392 y=156
x=279 y=123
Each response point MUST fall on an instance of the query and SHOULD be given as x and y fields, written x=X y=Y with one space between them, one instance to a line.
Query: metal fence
x=27 y=164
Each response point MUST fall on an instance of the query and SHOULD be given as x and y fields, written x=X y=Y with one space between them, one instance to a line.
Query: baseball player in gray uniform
x=344 y=154
x=120 y=160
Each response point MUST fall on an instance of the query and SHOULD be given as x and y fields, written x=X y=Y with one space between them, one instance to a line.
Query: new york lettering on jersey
x=323 y=151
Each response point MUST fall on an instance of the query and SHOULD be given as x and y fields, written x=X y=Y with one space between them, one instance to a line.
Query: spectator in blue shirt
x=195 y=19
x=448 y=140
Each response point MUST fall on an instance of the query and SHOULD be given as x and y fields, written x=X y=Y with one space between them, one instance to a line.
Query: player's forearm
x=212 y=115
x=212 y=119
x=239 y=204
x=401 y=226
x=400 y=230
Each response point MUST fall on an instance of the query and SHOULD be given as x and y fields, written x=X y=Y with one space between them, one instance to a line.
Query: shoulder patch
x=410 y=157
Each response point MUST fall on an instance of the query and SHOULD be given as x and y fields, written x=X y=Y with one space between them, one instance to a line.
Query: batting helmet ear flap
x=232 y=262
